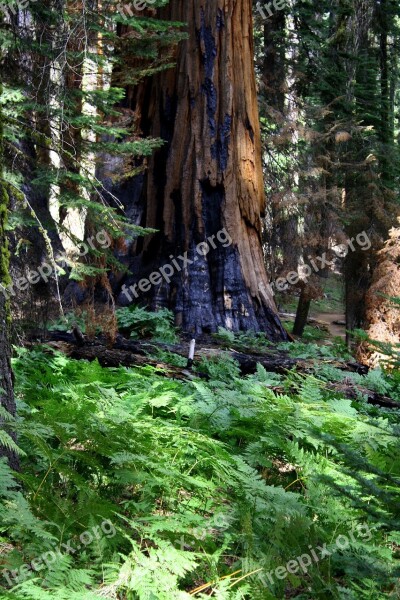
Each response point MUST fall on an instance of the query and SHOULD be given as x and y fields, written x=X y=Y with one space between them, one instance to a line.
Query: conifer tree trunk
x=382 y=314
x=6 y=385
x=208 y=175
x=369 y=203
x=303 y=309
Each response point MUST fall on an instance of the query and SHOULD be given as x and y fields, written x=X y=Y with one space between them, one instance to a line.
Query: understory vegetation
x=206 y=486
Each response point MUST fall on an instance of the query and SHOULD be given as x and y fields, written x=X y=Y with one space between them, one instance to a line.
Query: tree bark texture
x=207 y=176
x=303 y=308
x=6 y=384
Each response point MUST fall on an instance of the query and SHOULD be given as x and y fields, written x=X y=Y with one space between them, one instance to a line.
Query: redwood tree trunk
x=208 y=175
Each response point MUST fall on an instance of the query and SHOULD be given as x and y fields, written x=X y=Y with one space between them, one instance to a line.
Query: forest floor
x=206 y=481
x=332 y=321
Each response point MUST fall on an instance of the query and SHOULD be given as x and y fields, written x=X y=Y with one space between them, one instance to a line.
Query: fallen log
x=129 y=354
x=281 y=362
x=133 y=356
x=141 y=347
x=352 y=392
x=277 y=362
x=110 y=357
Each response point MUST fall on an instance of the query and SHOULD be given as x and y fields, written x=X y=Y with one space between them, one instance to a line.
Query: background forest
x=227 y=172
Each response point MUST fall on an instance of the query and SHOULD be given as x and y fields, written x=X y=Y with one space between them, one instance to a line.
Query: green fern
x=287 y=463
x=140 y=323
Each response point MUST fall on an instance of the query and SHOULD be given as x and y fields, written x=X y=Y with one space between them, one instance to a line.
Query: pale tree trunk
x=207 y=177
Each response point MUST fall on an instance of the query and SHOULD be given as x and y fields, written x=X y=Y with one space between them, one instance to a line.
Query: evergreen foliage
x=329 y=74
x=64 y=114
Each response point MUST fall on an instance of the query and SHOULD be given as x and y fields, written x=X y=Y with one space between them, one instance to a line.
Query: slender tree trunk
x=71 y=149
x=6 y=384
x=208 y=175
x=369 y=202
x=303 y=308
x=386 y=134
x=274 y=71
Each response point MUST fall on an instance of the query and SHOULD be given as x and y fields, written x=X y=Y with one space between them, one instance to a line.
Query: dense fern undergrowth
x=136 y=486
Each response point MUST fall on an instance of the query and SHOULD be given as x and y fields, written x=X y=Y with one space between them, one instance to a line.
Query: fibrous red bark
x=207 y=176
x=381 y=314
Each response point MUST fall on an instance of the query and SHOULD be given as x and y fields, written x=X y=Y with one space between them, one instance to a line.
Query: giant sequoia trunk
x=207 y=176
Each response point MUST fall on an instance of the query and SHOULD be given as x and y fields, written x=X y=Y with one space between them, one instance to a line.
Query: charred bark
x=207 y=177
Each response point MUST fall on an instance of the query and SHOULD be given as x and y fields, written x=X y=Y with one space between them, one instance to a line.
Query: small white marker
x=191 y=354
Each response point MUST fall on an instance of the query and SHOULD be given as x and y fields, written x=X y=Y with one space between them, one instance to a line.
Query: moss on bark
x=6 y=380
